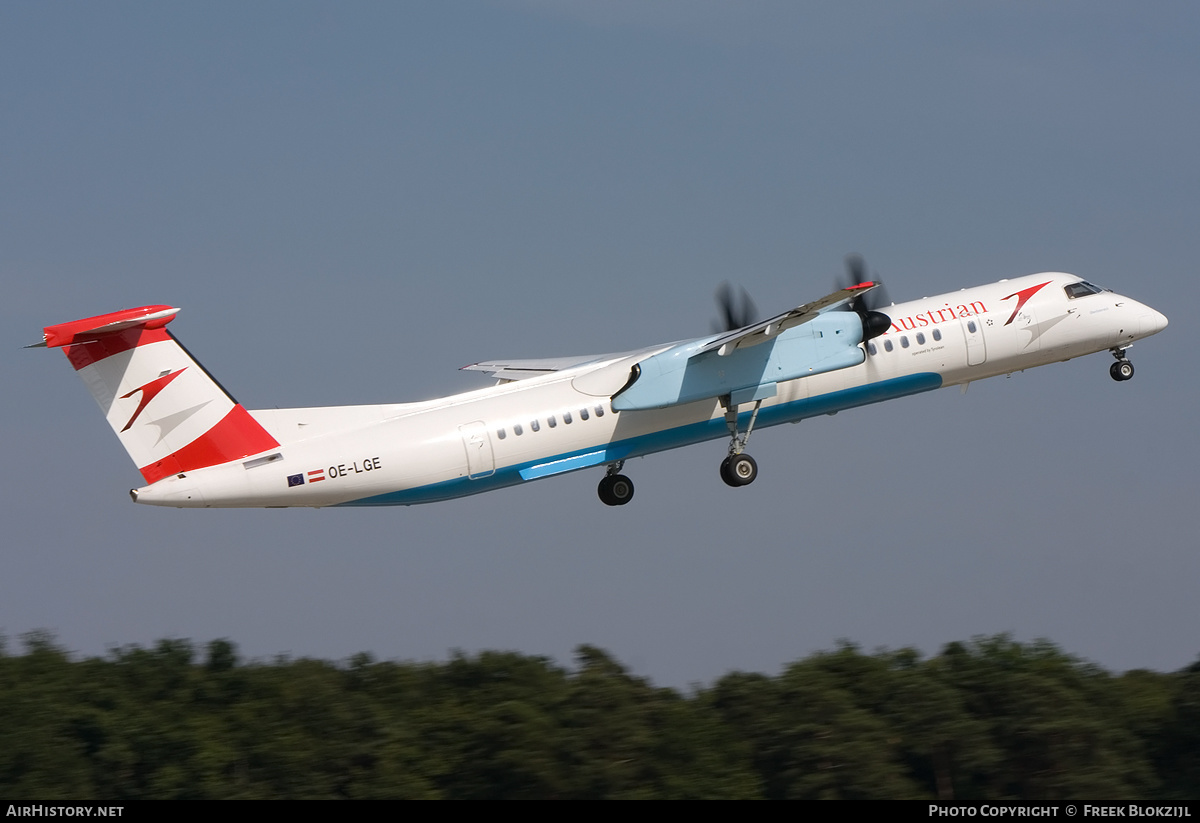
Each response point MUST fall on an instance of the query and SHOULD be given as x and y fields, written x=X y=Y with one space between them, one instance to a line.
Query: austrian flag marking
x=314 y=476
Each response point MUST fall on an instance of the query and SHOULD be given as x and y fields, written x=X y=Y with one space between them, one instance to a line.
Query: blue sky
x=350 y=201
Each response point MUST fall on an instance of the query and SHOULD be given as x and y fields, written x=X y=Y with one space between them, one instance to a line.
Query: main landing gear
x=738 y=469
x=1122 y=370
x=615 y=489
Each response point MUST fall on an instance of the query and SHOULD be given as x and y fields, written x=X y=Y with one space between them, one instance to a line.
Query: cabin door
x=478 y=443
x=976 y=347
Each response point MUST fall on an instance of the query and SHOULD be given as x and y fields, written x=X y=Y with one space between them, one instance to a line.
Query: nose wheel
x=615 y=489
x=1122 y=370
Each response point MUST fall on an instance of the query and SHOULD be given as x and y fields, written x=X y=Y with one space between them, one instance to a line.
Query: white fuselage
x=563 y=421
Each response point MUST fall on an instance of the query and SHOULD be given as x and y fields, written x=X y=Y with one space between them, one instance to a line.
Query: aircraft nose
x=1152 y=322
x=1160 y=321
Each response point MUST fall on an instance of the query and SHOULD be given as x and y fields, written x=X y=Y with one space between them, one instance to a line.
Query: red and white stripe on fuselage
x=169 y=414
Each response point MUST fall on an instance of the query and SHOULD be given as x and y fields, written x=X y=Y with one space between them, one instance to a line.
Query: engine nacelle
x=679 y=375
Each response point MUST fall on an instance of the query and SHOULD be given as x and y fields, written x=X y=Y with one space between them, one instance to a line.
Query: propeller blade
x=879 y=297
x=856 y=269
x=736 y=308
x=866 y=306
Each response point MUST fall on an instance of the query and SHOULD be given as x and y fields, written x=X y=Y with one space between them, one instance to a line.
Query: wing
x=763 y=331
x=509 y=370
x=805 y=341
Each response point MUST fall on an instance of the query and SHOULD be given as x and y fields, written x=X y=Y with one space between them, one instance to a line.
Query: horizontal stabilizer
x=93 y=328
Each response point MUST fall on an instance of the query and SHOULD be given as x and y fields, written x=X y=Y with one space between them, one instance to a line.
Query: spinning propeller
x=737 y=309
x=867 y=305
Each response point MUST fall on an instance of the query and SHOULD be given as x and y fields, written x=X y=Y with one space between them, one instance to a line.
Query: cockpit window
x=1081 y=289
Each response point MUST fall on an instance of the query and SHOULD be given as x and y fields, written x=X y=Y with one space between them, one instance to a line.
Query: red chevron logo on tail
x=149 y=392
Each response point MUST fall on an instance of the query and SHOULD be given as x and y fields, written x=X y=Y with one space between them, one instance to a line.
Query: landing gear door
x=976 y=347
x=478 y=443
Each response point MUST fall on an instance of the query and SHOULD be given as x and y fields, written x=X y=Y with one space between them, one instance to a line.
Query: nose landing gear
x=615 y=489
x=1122 y=370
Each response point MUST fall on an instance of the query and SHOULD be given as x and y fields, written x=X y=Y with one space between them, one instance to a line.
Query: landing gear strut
x=615 y=489
x=1122 y=370
x=738 y=469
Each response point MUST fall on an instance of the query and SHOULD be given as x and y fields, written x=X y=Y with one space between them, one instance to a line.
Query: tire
x=615 y=490
x=1121 y=370
x=725 y=475
x=739 y=470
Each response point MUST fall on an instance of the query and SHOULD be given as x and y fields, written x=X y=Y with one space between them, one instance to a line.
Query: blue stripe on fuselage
x=663 y=440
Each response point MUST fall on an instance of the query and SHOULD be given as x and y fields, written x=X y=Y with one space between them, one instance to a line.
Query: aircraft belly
x=645 y=432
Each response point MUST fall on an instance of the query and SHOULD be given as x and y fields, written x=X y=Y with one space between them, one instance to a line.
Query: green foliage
x=1052 y=720
x=992 y=719
x=1177 y=750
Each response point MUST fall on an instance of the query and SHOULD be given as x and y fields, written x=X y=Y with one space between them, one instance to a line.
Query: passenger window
x=871 y=349
x=937 y=334
x=583 y=415
x=501 y=434
x=920 y=339
x=567 y=418
x=887 y=345
x=517 y=430
x=904 y=342
x=534 y=426
x=551 y=421
x=599 y=411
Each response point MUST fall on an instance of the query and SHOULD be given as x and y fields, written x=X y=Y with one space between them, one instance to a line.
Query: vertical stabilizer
x=168 y=412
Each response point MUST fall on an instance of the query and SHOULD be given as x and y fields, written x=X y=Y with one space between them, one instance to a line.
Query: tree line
x=990 y=719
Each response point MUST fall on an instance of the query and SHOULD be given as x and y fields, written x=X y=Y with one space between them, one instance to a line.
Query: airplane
x=197 y=447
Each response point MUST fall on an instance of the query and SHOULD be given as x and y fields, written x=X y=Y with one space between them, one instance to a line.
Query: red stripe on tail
x=83 y=355
x=237 y=435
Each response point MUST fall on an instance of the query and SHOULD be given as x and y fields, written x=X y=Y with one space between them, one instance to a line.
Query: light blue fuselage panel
x=825 y=343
